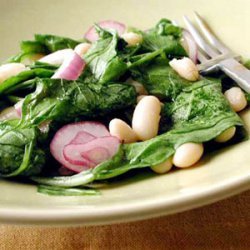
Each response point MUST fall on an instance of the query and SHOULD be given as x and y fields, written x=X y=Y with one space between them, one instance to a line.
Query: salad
x=79 y=112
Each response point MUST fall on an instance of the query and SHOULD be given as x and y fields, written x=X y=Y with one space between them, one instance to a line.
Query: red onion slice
x=56 y=58
x=18 y=107
x=190 y=46
x=92 y=35
x=71 y=67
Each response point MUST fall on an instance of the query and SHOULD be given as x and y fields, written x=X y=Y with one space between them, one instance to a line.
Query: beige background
x=223 y=225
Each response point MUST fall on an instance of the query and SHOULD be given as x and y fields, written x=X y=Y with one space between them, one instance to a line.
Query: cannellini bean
x=132 y=38
x=187 y=154
x=186 y=68
x=10 y=69
x=226 y=135
x=82 y=48
x=146 y=118
x=163 y=167
x=9 y=114
x=122 y=130
x=236 y=98
x=139 y=88
x=139 y=97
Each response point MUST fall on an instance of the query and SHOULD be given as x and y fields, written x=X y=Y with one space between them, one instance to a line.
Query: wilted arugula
x=192 y=112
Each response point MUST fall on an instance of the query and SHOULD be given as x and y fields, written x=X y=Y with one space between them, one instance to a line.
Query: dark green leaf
x=60 y=191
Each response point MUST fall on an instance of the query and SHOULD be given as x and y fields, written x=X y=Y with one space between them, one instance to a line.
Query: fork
x=214 y=55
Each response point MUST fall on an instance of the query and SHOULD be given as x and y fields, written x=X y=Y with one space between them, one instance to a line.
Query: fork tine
x=198 y=38
x=201 y=57
x=208 y=34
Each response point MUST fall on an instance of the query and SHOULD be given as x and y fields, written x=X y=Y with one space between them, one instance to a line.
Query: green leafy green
x=62 y=100
x=60 y=191
x=13 y=83
x=43 y=44
x=102 y=58
x=164 y=36
x=19 y=154
x=248 y=97
x=160 y=79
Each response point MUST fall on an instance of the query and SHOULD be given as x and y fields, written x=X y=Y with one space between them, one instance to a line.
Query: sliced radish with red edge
x=68 y=133
x=91 y=153
x=82 y=137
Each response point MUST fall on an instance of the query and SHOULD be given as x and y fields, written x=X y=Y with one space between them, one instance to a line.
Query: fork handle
x=239 y=73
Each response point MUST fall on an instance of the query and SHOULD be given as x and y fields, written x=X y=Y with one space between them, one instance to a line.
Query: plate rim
x=129 y=213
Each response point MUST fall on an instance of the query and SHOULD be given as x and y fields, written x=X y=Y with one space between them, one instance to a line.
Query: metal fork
x=214 y=55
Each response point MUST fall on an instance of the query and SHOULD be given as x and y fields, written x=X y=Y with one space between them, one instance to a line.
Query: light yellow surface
x=222 y=174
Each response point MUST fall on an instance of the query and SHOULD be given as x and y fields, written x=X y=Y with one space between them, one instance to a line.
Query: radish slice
x=68 y=133
x=190 y=46
x=92 y=35
x=18 y=107
x=72 y=154
x=96 y=155
x=56 y=58
x=71 y=68
x=92 y=153
x=82 y=137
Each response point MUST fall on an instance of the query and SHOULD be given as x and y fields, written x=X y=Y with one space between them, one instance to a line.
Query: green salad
x=77 y=112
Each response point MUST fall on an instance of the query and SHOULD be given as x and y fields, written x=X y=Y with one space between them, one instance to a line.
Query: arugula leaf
x=43 y=44
x=166 y=28
x=199 y=114
x=19 y=154
x=62 y=100
x=248 y=97
x=102 y=58
x=53 y=43
x=60 y=191
x=164 y=36
x=160 y=79
x=13 y=83
x=171 y=46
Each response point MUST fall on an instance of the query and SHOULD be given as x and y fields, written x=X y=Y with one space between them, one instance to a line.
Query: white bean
x=122 y=130
x=187 y=154
x=140 y=97
x=132 y=38
x=226 y=135
x=186 y=68
x=236 y=98
x=163 y=167
x=82 y=48
x=10 y=69
x=146 y=118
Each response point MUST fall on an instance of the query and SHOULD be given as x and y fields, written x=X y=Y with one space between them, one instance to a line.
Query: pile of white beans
x=146 y=117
